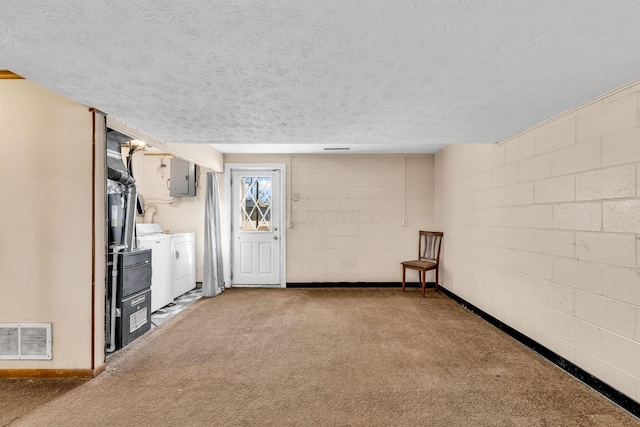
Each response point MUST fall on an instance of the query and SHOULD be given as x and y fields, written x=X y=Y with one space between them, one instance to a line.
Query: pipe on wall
x=114 y=294
x=120 y=176
x=131 y=200
x=130 y=215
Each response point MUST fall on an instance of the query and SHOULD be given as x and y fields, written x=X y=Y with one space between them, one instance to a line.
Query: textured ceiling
x=301 y=75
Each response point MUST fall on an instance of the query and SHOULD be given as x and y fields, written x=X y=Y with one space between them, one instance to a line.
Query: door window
x=255 y=204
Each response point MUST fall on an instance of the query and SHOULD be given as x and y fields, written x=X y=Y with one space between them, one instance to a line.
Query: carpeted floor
x=18 y=397
x=325 y=357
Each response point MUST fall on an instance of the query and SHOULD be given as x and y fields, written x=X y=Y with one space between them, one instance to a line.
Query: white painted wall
x=46 y=254
x=100 y=247
x=347 y=223
x=543 y=233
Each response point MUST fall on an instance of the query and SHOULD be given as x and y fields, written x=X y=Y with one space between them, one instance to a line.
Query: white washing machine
x=184 y=262
x=151 y=236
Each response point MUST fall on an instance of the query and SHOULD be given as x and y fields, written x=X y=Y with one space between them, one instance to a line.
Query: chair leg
x=404 y=272
x=437 y=278
x=423 y=276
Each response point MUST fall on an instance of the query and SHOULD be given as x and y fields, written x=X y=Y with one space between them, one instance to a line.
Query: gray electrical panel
x=183 y=178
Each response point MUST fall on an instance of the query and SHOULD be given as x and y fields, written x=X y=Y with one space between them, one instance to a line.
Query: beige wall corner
x=46 y=267
x=99 y=242
x=201 y=154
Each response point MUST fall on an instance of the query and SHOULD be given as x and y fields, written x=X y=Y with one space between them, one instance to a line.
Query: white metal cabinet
x=150 y=236
x=184 y=262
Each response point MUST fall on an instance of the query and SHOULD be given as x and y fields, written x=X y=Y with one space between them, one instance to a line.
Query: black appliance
x=134 y=295
x=128 y=287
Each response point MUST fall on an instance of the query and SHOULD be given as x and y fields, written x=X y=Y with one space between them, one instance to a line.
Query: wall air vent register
x=25 y=341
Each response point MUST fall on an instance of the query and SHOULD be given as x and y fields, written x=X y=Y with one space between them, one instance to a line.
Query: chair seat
x=427 y=265
x=428 y=258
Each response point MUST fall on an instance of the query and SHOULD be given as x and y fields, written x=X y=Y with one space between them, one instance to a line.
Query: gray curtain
x=213 y=280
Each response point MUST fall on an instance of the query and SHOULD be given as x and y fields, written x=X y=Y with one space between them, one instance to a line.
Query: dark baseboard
x=358 y=285
x=596 y=384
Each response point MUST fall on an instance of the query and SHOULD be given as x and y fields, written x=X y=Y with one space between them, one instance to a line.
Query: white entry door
x=255 y=227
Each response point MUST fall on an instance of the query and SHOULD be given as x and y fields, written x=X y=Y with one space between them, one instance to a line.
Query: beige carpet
x=18 y=397
x=328 y=357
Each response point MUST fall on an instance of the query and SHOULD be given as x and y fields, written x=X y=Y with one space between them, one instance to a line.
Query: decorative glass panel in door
x=255 y=203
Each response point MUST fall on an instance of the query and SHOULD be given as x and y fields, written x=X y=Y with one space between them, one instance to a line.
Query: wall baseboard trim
x=47 y=373
x=580 y=374
x=357 y=285
x=99 y=369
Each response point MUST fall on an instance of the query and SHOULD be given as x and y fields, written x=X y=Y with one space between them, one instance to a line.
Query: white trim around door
x=229 y=168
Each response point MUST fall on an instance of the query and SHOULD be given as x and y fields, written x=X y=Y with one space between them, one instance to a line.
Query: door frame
x=229 y=168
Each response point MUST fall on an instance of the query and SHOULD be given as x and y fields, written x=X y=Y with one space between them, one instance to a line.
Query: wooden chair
x=428 y=257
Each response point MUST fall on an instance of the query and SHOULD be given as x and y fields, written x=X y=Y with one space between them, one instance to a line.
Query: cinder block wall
x=347 y=221
x=542 y=232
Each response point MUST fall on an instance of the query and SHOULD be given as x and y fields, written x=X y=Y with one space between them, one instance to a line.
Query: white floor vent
x=25 y=341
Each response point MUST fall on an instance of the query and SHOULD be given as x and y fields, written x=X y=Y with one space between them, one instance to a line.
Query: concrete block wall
x=347 y=221
x=543 y=233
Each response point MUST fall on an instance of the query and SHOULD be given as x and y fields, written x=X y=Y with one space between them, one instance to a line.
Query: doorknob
x=275 y=237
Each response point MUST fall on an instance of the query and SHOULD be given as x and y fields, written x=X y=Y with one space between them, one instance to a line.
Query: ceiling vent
x=25 y=341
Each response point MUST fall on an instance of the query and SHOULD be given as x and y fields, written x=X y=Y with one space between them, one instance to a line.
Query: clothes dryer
x=184 y=262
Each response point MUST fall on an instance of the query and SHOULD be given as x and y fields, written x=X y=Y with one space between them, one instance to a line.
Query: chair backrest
x=429 y=245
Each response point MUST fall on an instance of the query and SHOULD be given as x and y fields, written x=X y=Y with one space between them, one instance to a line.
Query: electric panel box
x=183 y=178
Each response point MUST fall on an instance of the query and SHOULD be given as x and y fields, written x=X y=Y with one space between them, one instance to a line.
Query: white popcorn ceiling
x=297 y=76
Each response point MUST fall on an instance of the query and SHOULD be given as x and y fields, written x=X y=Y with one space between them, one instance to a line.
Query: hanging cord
x=162 y=167
x=404 y=190
x=290 y=201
